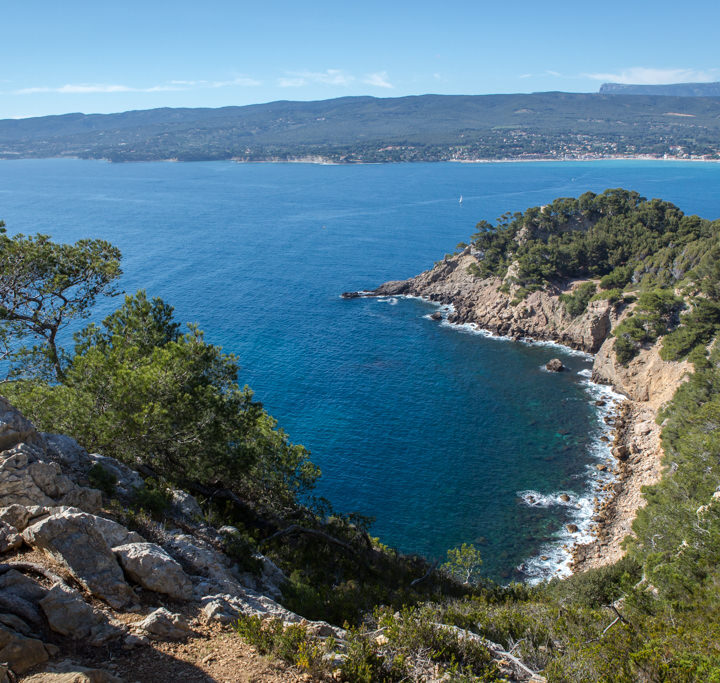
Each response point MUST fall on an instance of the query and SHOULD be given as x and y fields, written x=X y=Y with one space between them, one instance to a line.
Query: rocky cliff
x=647 y=381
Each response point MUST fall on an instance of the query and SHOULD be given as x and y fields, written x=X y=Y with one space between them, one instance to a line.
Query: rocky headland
x=647 y=382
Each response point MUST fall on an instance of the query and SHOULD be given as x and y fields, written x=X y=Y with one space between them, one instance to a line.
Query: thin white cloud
x=525 y=76
x=242 y=81
x=176 y=85
x=640 y=75
x=557 y=74
x=379 y=80
x=296 y=79
x=296 y=82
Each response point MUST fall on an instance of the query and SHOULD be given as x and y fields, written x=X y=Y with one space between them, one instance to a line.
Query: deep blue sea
x=433 y=431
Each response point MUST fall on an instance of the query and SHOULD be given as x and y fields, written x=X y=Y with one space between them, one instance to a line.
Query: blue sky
x=108 y=57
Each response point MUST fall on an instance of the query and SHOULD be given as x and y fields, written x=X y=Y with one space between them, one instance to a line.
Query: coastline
x=627 y=449
x=623 y=466
x=327 y=161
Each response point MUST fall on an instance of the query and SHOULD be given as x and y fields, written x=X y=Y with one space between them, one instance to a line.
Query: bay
x=431 y=431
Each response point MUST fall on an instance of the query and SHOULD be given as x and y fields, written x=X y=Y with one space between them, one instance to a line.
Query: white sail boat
x=460 y=200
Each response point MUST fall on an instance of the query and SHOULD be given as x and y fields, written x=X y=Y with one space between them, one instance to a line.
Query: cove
x=432 y=431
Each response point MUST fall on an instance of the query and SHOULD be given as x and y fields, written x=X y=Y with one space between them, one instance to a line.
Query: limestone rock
x=150 y=566
x=16 y=583
x=554 y=365
x=114 y=533
x=69 y=672
x=67 y=451
x=206 y=562
x=15 y=623
x=73 y=539
x=10 y=538
x=164 y=625
x=68 y=614
x=219 y=609
x=186 y=505
x=128 y=480
x=15 y=515
x=26 y=479
x=15 y=428
x=20 y=652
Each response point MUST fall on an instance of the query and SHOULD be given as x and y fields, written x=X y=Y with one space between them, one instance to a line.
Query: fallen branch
x=297 y=529
x=610 y=625
x=32 y=568
x=496 y=649
x=415 y=582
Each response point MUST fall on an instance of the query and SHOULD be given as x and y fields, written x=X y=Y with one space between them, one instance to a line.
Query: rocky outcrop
x=70 y=672
x=163 y=625
x=100 y=581
x=148 y=565
x=73 y=540
x=67 y=613
x=482 y=302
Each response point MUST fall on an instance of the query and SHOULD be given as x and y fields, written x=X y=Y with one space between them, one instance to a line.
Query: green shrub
x=154 y=498
x=103 y=479
x=576 y=303
x=618 y=278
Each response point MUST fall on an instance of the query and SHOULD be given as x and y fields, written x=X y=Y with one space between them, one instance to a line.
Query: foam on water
x=554 y=559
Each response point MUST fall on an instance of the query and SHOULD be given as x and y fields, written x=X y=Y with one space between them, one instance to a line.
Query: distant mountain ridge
x=368 y=129
x=672 y=89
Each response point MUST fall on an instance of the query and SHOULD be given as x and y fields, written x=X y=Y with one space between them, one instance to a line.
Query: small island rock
x=554 y=365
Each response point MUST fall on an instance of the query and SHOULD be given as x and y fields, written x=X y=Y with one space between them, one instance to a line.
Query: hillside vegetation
x=354 y=129
x=166 y=402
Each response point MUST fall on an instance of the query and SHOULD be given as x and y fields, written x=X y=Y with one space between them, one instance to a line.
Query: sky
x=102 y=57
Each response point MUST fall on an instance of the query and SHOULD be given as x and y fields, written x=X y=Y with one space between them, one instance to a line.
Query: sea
x=442 y=435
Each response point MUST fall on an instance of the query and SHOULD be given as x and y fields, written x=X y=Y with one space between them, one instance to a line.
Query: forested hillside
x=353 y=129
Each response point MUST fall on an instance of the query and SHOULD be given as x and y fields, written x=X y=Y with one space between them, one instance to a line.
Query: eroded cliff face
x=539 y=316
x=647 y=381
x=542 y=316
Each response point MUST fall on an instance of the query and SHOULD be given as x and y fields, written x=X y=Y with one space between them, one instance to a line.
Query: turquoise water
x=433 y=431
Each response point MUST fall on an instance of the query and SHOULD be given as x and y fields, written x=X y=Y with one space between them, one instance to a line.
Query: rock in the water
x=73 y=539
x=436 y=316
x=572 y=528
x=68 y=614
x=564 y=497
x=20 y=652
x=150 y=566
x=554 y=365
x=164 y=625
